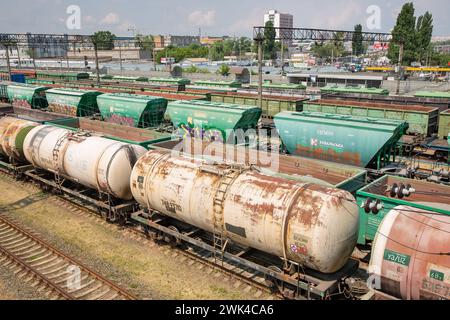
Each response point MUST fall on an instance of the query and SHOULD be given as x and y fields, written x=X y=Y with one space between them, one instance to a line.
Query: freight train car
x=422 y=120
x=358 y=141
x=65 y=76
x=384 y=194
x=212 y=120
x=76 y=103
x=28 y=96
x=358 y=90
x=217 y=84
x=271 y=105
x=140 y=111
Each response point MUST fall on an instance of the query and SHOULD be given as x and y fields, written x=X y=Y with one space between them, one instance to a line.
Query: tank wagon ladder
x=228 y=174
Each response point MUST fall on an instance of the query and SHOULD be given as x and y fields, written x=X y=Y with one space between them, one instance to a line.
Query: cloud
x=246 y=23
x=202 y=18
x=110 y=19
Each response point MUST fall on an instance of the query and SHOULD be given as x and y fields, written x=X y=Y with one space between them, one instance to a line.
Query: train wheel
x=173 y=240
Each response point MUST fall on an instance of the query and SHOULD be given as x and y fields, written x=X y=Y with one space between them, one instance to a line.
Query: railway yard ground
x=143 y=268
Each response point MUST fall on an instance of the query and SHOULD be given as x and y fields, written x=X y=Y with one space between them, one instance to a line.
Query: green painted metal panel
x=77 y=103
x=225 y=84
x=432 y=94
x=420 y=122
x=177 y=81
x=28 y=96
x=444 y=125
x=130 y=79
x=281 y=86
x=132 y=110
x=212 y=118
x=349 y=89
x=369 y=221
x=3 y=91
x=359 y=141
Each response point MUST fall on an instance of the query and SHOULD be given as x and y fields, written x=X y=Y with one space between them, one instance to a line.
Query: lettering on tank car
x=396 y=257
x=300 y=245
x=436 y=287
x=236 y=230
x=171 y=206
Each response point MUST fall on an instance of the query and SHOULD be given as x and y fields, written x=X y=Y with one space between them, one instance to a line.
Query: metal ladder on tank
x=72 y=136
x=219 y=239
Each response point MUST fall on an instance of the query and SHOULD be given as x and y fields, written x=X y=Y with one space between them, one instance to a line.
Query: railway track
x=198 y=258
x=203 y=260
x=50 y=270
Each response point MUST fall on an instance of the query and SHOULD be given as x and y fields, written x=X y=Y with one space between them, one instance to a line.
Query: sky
x=213 y=17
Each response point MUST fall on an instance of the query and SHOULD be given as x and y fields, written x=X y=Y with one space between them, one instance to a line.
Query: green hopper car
x=140 y=111
x=358 y=141
x=72 y=102
x=422 y=120
x=27 y=96
x=379 y=197
x=280 y=86
x=212 y=120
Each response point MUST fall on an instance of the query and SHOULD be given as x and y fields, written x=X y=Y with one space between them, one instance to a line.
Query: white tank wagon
x=13 y=132
x=92 y=161
x=305 y=223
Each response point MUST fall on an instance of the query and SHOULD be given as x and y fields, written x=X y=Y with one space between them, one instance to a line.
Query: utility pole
x=8 y=63
x=120 y=58
x=400 y=62
x=18 y=57
x=96 y=63
x=33 y=53
x=260 y=75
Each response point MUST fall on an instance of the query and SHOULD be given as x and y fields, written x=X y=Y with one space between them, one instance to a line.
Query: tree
x=269 y=41
x=145 y=43
x=104 y=40
x=424 y=32
x=357 y=41
x=404 y=33
x=224 y=70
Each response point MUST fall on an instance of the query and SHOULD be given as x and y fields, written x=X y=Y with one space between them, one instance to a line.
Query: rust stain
x=351 y=158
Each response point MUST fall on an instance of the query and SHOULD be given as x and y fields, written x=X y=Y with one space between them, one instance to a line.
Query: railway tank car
x=13 y=132
x=410 y=254
x=92 y=161
x=306 y=223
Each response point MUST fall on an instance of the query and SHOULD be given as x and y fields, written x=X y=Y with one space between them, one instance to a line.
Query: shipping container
x=139 y=111
x=422 y=120
x=358 y=141
x=76 y=103
x=142 y=137
x=271 y=104
x=379 y=197
x=212 y=120
x=18 y=77
x=444 y=125
x=350 y=89
x=27 y=96
x=325 y=173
